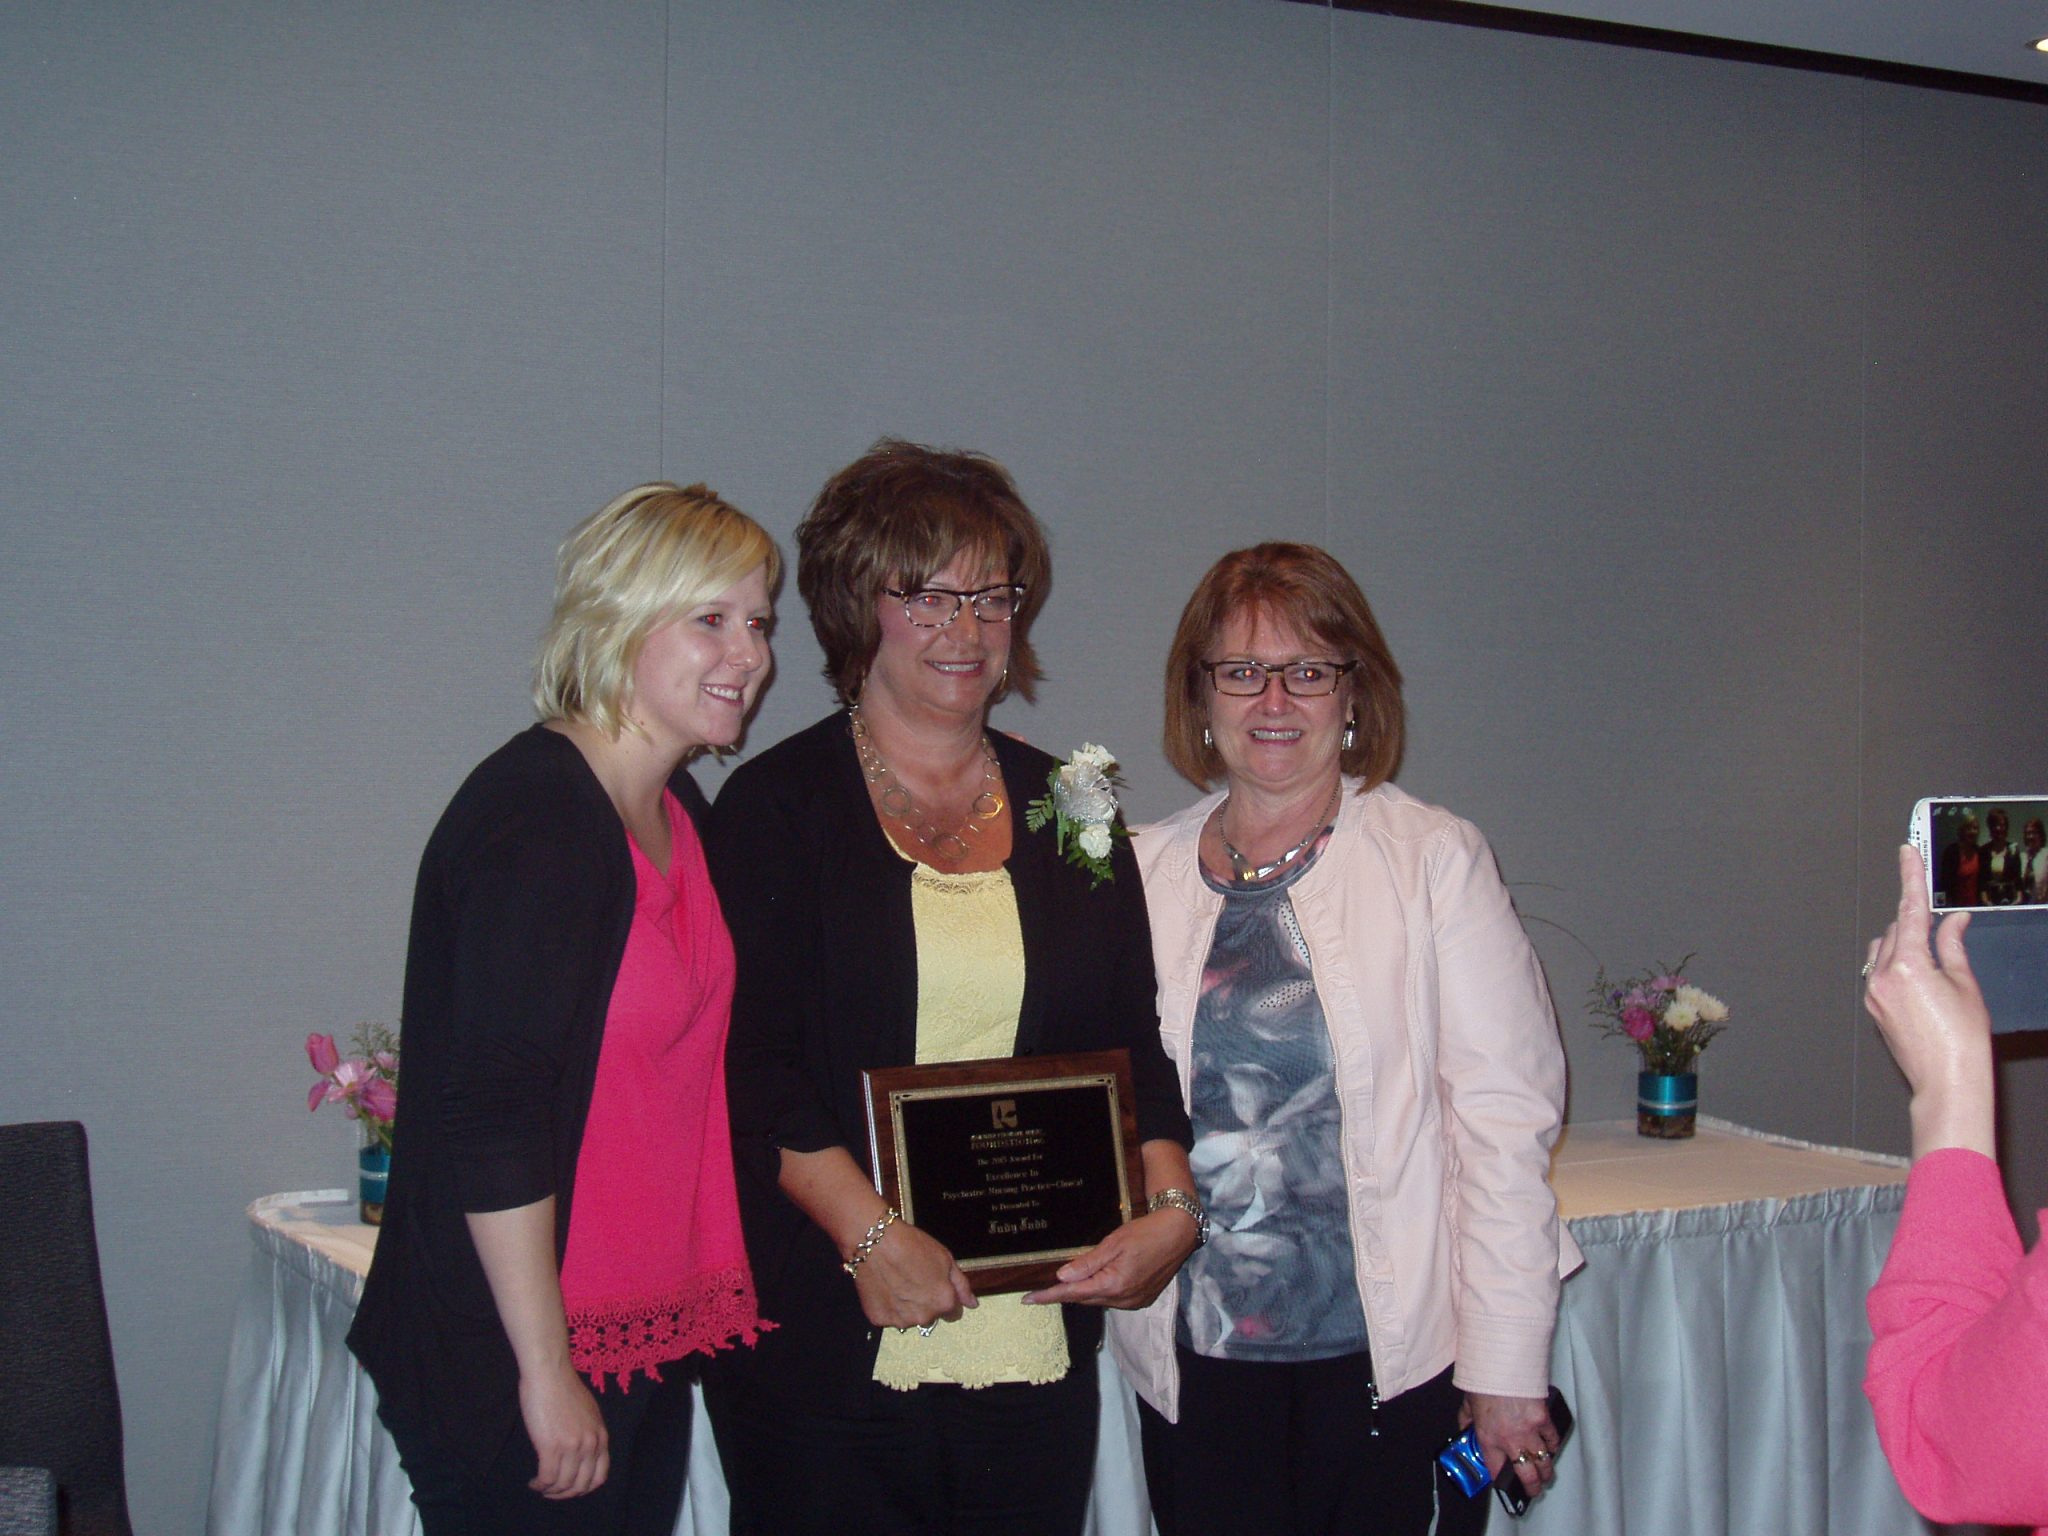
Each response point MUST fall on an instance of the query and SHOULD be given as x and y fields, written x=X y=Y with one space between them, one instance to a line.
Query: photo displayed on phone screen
x=1984 y=852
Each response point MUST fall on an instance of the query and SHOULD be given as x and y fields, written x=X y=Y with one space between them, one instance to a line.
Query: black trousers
x=1006 y=1460
x=648 y=1434
x=1297 y=1449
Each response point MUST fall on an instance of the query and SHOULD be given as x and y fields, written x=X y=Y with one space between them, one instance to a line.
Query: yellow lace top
x=970 y=988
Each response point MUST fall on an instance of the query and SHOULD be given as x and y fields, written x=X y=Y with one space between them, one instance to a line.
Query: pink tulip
x=380 y=1099
x=1639 y=1023
x=319 y=1094
x=321 y=1051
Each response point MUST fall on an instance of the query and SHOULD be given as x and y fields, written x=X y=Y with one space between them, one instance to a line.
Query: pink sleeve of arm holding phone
x=1959 y=1351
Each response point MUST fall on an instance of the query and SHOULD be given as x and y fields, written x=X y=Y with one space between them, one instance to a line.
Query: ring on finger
x=1522 y=1460
x=1543 y=1455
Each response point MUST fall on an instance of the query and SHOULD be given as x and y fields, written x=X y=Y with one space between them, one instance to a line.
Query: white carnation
x=1681 y=1014
x=1100 y=758
x=1710 y=1007
x=1094 y=840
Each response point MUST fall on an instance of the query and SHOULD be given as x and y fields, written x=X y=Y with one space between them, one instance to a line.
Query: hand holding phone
x=1466 y=1463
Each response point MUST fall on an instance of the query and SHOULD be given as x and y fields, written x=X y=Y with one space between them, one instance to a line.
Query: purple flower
x=1668 y=983
x=1638 y=1023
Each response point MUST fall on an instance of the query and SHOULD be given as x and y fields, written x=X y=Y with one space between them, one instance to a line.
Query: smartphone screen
x=1984 y=851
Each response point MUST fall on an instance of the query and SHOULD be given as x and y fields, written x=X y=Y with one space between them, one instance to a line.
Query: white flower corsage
x=1081 y=805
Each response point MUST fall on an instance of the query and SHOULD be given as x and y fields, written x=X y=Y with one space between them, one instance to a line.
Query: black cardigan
x=819 y=905
x=519 y=922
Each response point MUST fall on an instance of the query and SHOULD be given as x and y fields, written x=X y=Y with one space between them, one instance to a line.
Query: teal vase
x=1666 y=1103
x=373 y=1168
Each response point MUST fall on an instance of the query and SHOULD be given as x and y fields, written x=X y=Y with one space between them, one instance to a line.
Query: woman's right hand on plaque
x=911 y=1281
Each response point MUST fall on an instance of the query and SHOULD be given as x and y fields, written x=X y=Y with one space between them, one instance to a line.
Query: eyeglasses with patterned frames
x=1303 y=679
x=936 y=607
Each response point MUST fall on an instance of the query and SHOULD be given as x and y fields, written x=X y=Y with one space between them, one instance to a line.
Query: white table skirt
x=1712 y=1349
x=300 y=1452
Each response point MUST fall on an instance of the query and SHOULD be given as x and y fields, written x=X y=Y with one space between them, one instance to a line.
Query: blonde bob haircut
x=651 y=554
x=1304 y=588
x=893 y=518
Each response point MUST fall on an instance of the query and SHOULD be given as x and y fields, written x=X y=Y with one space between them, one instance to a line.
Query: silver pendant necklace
x=1244 y=872
x=946 y=846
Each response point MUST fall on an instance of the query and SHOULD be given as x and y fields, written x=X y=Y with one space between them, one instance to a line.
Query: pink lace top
x=656 y=1268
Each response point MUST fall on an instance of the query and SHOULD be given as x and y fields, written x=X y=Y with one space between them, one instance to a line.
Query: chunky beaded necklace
x=945 y=845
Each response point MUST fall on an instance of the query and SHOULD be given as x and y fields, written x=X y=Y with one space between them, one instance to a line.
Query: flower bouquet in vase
x=1670 y=1022
x=365 y=1085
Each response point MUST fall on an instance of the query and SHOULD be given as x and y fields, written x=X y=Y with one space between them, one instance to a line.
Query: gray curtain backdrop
x=1681 y=419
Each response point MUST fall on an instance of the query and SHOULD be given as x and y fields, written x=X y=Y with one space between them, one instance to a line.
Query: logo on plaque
x=1002 y=1113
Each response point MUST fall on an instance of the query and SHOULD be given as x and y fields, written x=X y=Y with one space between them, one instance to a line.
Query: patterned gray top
x=1276 y=1280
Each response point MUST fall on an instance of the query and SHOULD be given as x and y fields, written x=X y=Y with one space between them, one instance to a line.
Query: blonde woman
x=562 y=1235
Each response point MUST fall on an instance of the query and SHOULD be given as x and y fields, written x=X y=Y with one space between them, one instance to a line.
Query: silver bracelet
x=866 y=1245
x=1181 y=1200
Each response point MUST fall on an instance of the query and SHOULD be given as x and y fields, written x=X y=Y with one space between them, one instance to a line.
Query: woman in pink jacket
x=1374 y=1075
x=1958 y=1369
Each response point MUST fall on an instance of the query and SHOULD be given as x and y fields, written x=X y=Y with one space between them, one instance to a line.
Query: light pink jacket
x=1450 y=1082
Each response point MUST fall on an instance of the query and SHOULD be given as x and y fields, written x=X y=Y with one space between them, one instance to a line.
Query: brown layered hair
x=892 y=518
x=1306 y=589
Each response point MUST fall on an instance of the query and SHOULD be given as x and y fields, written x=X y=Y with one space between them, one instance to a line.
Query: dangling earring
x=1350 y=733
x=1003 y=681
x=1207 y=739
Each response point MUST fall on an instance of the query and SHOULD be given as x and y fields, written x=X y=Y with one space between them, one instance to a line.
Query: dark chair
x=59 y=1406
x=28 y=1502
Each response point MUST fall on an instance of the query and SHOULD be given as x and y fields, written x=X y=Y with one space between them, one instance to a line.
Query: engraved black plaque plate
x=1015 y=1164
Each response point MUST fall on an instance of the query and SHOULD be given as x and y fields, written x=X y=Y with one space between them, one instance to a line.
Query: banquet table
x=1712 y=1349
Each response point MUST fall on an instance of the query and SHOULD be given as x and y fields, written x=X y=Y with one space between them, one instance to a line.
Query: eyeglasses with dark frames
x=936 y=607
x=1303 y=679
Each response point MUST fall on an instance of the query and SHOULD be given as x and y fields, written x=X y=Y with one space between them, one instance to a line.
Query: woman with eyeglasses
x=889 y=907
x=1373 y=1070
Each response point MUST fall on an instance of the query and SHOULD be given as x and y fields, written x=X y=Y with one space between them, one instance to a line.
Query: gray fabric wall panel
x=1087 y=240
x=1955 y=674
x=1595 y=349
x=320 y=326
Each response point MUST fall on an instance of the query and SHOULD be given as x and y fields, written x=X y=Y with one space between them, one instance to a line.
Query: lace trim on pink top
x=619 y=1339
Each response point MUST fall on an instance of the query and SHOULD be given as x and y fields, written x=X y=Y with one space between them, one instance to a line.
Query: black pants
x=1297 y=1450
x=1007 y=1460
x=648 y=1431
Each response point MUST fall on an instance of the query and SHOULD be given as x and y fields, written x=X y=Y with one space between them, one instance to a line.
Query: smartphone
x=1466 y=1463
x=1983 y=850
x=1958 y=840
